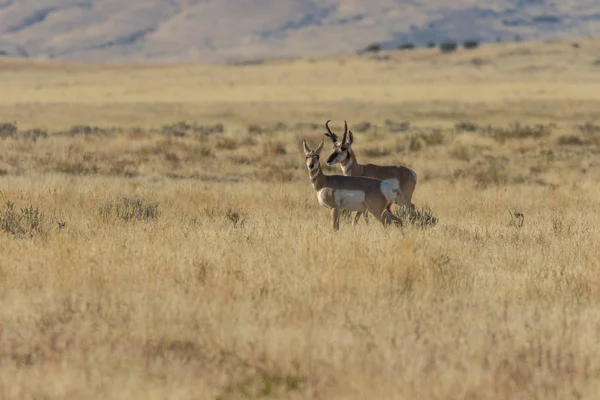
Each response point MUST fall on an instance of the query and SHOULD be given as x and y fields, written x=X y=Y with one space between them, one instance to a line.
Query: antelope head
x=312 y=156
x=341 y=148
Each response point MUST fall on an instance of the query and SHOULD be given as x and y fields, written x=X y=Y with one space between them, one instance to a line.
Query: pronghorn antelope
x=399 y=177
x=338 y=192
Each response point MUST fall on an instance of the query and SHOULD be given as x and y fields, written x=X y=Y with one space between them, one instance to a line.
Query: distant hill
x=235 y=30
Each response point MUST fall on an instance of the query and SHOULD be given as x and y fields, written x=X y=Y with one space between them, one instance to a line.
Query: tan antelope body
x=338 y=192
x=400 y=177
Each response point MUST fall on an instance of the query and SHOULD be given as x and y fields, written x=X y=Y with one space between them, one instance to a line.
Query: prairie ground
x=144 y=257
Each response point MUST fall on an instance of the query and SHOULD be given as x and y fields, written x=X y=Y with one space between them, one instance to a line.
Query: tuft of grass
x=420 y=218
x=415 y=143
x=28 y=222
x=129 y=209
x=221 y=214
x=434 y=137
x=263 y=385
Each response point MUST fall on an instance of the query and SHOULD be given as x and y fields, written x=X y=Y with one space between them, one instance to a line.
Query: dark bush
x=470 y=44
x=406 y=46
x=448 y=47
x=8 y=129
x=571 y=140
x=372 y=48
x=466 y=126
x=431 y=45
x=255 y=129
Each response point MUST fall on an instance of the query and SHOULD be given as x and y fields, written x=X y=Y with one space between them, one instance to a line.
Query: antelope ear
x=350 y=138
x=318 y=150
x=305 y=147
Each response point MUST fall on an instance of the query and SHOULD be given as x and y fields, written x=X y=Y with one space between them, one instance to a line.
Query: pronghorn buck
x=402 y=178
x=338 y=192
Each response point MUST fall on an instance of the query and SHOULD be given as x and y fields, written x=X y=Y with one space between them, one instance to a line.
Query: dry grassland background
x=144 y=257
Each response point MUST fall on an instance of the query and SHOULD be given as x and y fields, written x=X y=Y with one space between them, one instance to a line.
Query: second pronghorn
x=399 y=177
x=338 y=192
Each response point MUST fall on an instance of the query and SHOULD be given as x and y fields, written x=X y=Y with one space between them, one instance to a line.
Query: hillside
x=227 y=30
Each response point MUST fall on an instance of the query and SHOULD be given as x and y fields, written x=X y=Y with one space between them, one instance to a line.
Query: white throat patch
x=346 y=168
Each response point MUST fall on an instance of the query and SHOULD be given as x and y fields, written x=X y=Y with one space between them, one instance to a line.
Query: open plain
x=160 y=237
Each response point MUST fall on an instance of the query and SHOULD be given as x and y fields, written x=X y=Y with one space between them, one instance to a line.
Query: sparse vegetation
x=220 y=276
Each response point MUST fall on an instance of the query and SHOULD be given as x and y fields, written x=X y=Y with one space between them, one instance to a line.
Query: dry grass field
x=143 y=257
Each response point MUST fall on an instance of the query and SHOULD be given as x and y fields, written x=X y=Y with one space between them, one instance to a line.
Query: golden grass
x=239 y=288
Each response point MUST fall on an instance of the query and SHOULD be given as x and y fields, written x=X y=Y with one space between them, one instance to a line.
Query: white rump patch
x=388 y=190
x=351 y=200
x=320 y=198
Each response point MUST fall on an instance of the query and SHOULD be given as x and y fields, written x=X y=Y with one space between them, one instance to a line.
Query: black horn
x=330 y=134
x=345 y=132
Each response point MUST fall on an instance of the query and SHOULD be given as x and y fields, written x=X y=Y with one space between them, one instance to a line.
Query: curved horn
x=345 y=132
x=330 y=134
